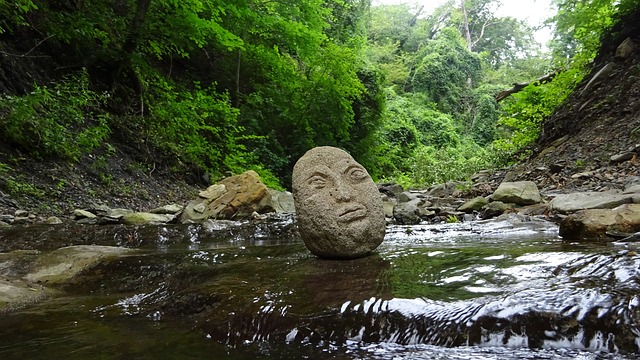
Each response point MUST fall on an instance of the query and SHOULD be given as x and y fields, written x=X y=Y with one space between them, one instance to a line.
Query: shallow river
x=496 y=290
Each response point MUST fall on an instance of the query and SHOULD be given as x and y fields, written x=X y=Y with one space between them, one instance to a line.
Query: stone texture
x=17 y=293
x=625 y=49
x=495 y=208
x=234 y=198
x=474 y=204
x=53 y=220
x=339 y=208
x=167 y=209
x=144 y=218
x=282 y=201
x=569 y=203
x=519 y=193
x=408 y=213
x=595 y=223
x=80 y=214
x=213 y=192
x=61 y=265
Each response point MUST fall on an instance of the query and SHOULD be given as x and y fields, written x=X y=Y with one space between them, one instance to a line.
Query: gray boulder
x=570 y=203
x=519 y=193
x=495 y=208
x=408 y=213
x=282 y=202
x=338 y=207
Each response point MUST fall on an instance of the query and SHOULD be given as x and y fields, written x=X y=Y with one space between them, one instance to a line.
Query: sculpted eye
x=317 y=182
x=357 y=173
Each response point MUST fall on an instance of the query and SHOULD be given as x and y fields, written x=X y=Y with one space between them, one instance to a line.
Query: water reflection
x=503 y=290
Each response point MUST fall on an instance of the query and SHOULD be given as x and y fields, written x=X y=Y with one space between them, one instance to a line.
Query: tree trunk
x=465 y=25
x=131 y=42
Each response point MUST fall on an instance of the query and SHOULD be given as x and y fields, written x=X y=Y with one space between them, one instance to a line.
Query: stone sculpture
x=338 y=207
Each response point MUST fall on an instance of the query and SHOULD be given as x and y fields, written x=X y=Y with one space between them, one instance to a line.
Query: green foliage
x=524 y=112
x=12 y=13
x=199 y=126
x=64 y=120
x=579 y=26
x=435 y=166
x=445 y=69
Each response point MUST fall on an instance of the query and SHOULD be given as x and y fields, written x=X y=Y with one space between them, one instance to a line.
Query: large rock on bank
x=338 y=207
x=233 y=198
x=594 y=224
x=570 y=203
x=519 y=193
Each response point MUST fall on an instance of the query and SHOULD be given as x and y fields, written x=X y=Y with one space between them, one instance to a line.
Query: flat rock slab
x=61 y=265
x=570 y=203
x=17 y=293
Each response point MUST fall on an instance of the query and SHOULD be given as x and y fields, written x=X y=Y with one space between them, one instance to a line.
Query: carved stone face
x=338 y=206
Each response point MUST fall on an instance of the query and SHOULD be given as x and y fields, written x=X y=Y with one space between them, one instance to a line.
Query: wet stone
x=338 y=207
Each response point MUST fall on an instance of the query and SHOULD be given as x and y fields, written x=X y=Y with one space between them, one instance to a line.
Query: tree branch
x=517 y=87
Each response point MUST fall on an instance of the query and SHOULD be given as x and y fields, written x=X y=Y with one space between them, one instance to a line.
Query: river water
x=480 y=290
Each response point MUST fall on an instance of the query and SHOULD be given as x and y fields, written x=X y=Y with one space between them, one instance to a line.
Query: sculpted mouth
x=351 y=213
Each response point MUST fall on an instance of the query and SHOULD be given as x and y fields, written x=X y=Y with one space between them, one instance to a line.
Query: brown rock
x=595 y=223
x=339 y=209
x=233 y=198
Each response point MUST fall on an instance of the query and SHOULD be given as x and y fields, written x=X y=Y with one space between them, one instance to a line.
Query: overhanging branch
x=517 y=87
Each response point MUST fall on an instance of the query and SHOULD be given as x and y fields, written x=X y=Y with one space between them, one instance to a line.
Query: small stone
x=53 y=220
x=82 y=214
x=406 y=197
x=168 y=209
x=21 y=213
x=19 y=220
x=142 y=218
x=118 y=213
x=494 y=209
x=622 y=157
x=625 y=49
x=474 y=204
x=200 y=208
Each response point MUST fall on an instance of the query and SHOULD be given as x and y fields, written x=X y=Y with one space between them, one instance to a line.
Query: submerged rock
x=18 y=293
x=338 y=207
x=62 y=265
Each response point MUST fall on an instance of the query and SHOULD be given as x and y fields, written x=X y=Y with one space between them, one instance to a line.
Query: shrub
x=63 y=120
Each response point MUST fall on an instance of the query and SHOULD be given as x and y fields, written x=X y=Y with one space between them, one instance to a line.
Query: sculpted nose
x=342 y=192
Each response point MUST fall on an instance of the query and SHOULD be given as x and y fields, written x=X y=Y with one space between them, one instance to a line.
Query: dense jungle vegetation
x=220 y=86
